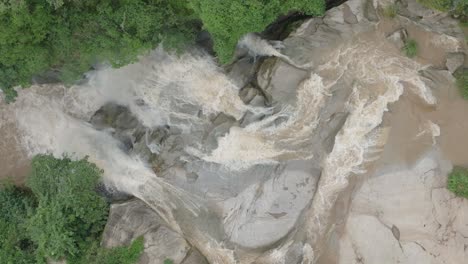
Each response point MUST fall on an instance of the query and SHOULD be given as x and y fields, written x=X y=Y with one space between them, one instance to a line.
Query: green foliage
x=70 y=213
x=458 y=181
x=390 y=11
x=69 y=36
x=117 y=255
x=441 y=5
x=15 y=245
x=411 y=48
x=462 y=82
x=59 y=216
x=10 y=94
x=168 y=261
x=227 y=21
x=457 y=7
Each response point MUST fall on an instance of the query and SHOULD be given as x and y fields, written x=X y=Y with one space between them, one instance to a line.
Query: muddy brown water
x=410 y=134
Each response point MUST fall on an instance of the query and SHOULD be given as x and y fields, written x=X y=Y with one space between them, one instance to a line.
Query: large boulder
x=406 y=216
x=130 y=220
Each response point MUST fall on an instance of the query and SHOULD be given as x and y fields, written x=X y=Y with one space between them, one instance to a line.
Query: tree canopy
x=227 y=21
x=58 y=216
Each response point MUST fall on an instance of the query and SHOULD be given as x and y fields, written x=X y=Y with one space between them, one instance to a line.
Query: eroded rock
x=130 y=220
x=398 y=38
x=454 y=61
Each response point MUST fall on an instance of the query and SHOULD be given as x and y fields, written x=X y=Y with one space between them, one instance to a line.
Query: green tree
x=15 y=245
x=227 y=21
x=70 y=214
x=69 y=36
x=59 y=216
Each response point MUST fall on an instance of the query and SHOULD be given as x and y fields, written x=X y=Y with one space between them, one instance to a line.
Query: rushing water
x=360 y=79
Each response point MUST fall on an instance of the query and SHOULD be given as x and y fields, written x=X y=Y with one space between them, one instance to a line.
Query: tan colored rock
x=454 y=61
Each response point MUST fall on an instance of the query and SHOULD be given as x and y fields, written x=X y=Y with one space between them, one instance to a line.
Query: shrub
x=458 y=181
x=411 y=48
x=168 y=261
x=227 y=21
x=462 y=82
x=390 y=11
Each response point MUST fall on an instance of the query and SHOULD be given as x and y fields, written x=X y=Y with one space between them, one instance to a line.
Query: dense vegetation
x=457 y=7
x=65 y=38
x=227 y=21
x=58 y=216
x=458 y=181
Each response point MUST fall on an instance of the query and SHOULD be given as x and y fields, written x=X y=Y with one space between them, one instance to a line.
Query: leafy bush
x=411 y=48
x=458 y=181
x=227 y=21
x=168 y=261
x=60 y=216
x=69 y=36
x=462 y=82
x=390 y=11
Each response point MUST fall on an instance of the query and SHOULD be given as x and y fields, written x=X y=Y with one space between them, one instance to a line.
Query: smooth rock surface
x=455 y=61
x=429 y=218
x=130 y=220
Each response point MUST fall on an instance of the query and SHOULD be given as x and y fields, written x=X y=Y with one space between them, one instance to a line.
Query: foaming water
x=375 y=75
x=265 y=142
x=183 y=91
x=380 y=78
x=54 y=119
x=161 y=89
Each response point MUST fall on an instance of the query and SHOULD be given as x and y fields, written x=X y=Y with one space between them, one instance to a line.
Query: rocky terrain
x=337 y=154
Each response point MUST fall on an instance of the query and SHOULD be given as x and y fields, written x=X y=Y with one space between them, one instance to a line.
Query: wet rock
x=280 y=81
x=258 y=101
x=437 y=79
x=414 y=200
x=115 y=116
x=112 y=195
x=164 y=244
x=242 y=71
x=205 y=41
x=273 y=205
x=454 y=61
x=130 y=220
x=398 y=38
x=194 y=257
x=247 y=94
x=348 y=15
x=369 y=11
